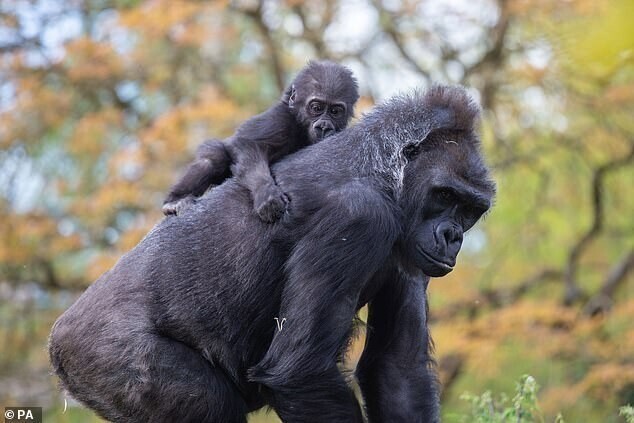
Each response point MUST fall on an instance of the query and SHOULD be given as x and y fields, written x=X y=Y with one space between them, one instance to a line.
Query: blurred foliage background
x=102 y=102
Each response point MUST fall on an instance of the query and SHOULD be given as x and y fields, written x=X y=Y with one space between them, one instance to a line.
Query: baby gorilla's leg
x=211 y=167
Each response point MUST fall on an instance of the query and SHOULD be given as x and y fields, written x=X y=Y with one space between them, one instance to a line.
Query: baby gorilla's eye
x=336 y=111
x=316 y=107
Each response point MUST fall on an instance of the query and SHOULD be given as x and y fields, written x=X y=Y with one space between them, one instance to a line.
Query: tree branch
x=603 y=300
x=573 y=292
x=313 y=35
x=256 y=15
x=497 y=298
x=494 y=56
x=492 y=60
x=389 y=27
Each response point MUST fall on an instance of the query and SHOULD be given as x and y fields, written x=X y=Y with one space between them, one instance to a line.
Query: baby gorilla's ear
x=289 y=96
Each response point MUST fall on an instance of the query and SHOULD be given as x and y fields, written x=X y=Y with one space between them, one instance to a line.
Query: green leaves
x=522 y=408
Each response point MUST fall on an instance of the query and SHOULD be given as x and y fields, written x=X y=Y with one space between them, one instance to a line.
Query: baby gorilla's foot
x=174 y=208
x=270 y=203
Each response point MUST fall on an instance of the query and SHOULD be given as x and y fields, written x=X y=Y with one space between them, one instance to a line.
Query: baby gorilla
x=319 y=103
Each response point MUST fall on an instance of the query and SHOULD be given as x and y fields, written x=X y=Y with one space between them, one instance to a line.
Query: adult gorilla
x=183 y=327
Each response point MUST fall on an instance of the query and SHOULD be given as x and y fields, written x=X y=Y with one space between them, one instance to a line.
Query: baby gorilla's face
x=322 y=97
x=325 y=118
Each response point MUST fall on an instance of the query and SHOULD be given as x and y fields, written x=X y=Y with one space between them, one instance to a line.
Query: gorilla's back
x=180 y=280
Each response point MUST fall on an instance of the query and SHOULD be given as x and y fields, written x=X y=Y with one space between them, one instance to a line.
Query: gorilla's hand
x=269 y=202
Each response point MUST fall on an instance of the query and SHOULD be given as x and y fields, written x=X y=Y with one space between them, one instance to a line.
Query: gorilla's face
x=322 y=97
x=447 y=190
x=325 y=118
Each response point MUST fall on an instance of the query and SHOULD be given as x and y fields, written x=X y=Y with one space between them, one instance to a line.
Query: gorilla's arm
x=396 y=371
x=319 y=301
x=260 y=141
x=251 y=168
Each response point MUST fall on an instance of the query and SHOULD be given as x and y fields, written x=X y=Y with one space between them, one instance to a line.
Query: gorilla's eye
x=336 y=111
x=473 y=213
x=446 y=195
x=316 y=107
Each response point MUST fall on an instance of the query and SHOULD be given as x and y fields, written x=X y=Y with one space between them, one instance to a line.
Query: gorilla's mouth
x=447 y=267
x=320 y=135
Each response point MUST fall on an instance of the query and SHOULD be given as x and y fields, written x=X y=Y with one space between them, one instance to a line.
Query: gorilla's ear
x=289 y=96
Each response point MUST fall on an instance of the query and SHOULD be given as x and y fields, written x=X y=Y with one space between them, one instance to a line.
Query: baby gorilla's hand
x=269 y=202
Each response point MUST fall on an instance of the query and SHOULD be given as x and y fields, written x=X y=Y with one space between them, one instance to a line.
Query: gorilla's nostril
x=448 y=233
x=454 y=235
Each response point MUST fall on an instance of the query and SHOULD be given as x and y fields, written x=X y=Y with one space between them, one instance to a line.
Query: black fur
x=183 y=327
x=319 y=103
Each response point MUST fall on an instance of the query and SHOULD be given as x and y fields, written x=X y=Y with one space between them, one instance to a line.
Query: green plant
x=522 y=407
x=627 y=411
